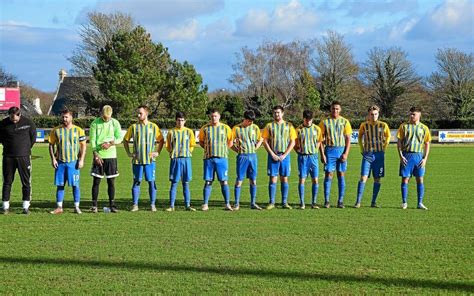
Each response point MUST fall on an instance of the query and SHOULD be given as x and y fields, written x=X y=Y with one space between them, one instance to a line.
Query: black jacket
x=17 y=138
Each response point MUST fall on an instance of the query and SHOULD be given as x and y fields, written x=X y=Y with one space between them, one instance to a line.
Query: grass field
x=337 y=251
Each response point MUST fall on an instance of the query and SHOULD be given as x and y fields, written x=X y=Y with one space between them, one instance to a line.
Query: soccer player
x=374 y=137
x=104 y=134
x=336 y=131
x=413 y=148
x=308 y=142
x=180 y=144
x=17 y=135
x=215 y=137
x=278 y=139
x=145 y=135
x=67 y=149
x=247 y=139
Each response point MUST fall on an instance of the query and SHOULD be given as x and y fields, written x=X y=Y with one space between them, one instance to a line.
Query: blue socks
x=314 y=193
x=404 y=188
x=187 y=194
x=237 y=195
x=173 y=188
x=360 y=191
x=253 y=194
x=341 y=185
x=284 y=192
x=76 y=193
x=152 y=192
x=226 y=193
x=60 y=194
x=420 y=188
x=207 y=193
x=327 y=188
x=375 y=192
x=135 y=192
x=271 y=192
x=301 y=193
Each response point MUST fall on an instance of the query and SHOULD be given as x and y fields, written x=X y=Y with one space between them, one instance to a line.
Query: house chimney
x=62 y=74
x=36 y=103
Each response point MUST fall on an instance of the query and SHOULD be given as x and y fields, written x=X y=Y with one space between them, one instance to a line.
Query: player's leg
x=137 y=170
x=341 y=167
x=241 y=166
x=329 y=168
x=111 y=172
x=24 y=170
x=375 y=192
x=406 y=171
x=364 y=174
x=303 y=169
x=186 y=177
x=222 y=168
x=111 y=194
x=150 y=178
x=174 y=177
x=378 y=171
x=314 y=171
x=272 y=172
x=59 y=181
x=8 y=170
x=73 y=180
x=284 y=172
x=419 y=173
x=208 y=179
x=95 y=193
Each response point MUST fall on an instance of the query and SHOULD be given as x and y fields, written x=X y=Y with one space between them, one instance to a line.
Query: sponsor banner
x=460 y=136
x=40 y=136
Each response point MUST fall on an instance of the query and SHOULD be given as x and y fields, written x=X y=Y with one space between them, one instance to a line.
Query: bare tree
x=389 y=75
x=95 y=34
x=453 y=83
x=6 y=79
x=270 y=74
x=333 y=62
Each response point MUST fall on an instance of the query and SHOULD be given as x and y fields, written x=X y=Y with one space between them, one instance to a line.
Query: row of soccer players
x=330 y=141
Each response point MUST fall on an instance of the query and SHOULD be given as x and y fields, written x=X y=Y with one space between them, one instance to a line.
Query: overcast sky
x=37 y=36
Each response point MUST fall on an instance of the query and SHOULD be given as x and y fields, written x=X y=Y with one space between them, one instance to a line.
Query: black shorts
x=107 y=170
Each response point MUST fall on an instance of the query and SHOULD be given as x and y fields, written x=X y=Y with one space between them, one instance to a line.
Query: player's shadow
x=242 y=271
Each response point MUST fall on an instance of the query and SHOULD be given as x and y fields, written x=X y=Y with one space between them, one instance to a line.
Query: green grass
x=356 y=251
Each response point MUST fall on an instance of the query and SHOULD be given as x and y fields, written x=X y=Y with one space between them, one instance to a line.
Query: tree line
x=130 y=69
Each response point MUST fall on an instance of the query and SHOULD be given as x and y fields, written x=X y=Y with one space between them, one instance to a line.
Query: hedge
x=394 y=123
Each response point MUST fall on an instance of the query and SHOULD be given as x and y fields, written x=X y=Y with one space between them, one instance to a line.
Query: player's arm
x=168 y=144
x=427 y=148
x=52 y=153
x=235 y=140
x=160 y=141
x=230 y=138
x=259 y=143
x=126 y=141
x=202 y=138
x=117 y=132
x=347 y=137
x=297 y=143
x=361 y=137
x=32 y=133
x=192 y=141
x=266 y=145
x=400 y=134
x=291 y=144
x=93 y=141
x=387 y=137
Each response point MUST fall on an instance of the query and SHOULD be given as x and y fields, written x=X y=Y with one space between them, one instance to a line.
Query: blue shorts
x=149 y=172
x=246 y=166
x=279 y=168
x=333 y=160
x=308 y=164
x=67 y=171
x=373 y=163
x=181 y=169
x=215 y=165
x=412 y=168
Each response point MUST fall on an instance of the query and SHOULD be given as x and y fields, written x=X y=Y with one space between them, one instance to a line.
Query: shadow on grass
x=241 y=271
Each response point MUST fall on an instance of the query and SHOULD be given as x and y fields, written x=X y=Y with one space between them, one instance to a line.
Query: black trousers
x=10 y=165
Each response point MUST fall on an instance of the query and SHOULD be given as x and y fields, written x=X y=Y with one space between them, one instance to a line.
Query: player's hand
x=80 y=164
x=324 y=159
x=403 y=160
x=54 y=163
x=343 y=157
x=106 y=145
x=422 y=163
x=98 y=161
x=282 y=157
x=275 y=157
x=154 y=154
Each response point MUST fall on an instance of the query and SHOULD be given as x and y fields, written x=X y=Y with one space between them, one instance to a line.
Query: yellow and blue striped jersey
x=374 y=137
x=279 y=135
x=67 y=142
x=335 y=130
x=307 y=139
x=246 y=138
x=180 y=142
x=413 y=136
x=215 y=139
x=144 y=138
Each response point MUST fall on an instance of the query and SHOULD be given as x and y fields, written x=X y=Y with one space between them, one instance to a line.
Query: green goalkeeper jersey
x=103 y=132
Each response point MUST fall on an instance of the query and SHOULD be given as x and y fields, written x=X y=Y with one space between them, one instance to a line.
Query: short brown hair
x=373 y=107
x=415 y=109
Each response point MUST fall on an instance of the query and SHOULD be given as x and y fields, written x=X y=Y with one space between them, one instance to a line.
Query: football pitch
x=325 y=251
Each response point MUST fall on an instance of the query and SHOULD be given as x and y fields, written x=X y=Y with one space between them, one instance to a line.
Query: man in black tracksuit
x=17 y=135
